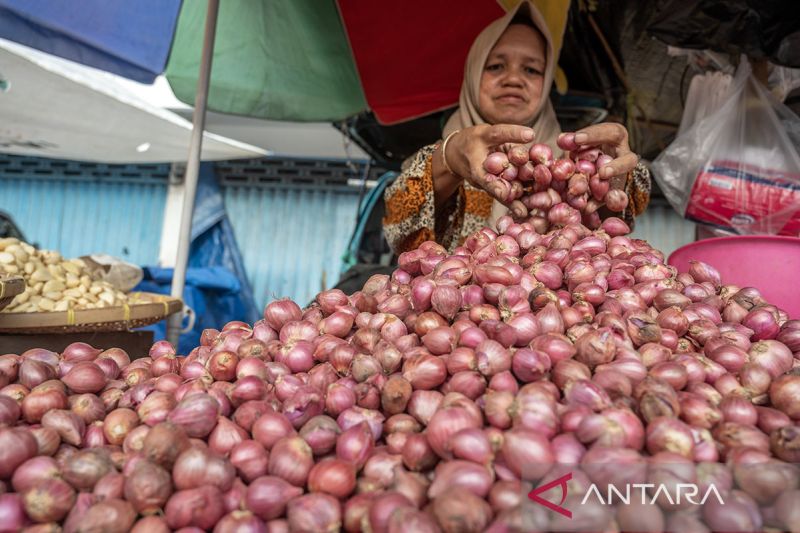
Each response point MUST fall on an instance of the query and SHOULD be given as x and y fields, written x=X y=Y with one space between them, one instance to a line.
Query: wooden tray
x=142 y=309
x=9 y=288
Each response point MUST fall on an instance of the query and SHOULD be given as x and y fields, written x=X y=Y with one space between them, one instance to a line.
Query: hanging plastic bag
x=707 y=92
x=738 y=169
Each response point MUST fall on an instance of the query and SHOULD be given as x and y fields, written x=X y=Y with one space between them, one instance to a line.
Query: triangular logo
x=562 y=482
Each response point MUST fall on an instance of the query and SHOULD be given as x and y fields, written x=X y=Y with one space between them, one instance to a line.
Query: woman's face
x=511 y=83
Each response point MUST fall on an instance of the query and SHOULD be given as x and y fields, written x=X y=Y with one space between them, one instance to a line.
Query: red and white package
x=745 y=199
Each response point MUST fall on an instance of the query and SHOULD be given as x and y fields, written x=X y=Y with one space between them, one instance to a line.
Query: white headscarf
x=468 y=114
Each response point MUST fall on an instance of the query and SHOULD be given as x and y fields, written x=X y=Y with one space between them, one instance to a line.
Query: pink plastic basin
x=771 y=264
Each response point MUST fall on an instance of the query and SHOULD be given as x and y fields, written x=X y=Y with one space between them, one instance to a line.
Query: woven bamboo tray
x=9 y=288
x=142 y=309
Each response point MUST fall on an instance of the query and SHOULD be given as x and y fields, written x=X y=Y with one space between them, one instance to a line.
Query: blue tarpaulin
x=129 y=38
x=213 y=241
x=217 y=289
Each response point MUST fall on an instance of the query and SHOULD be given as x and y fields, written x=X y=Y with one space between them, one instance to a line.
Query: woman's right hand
x=466 y=152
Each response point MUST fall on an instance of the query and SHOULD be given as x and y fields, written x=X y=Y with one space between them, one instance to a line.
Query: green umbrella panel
x=276 y=59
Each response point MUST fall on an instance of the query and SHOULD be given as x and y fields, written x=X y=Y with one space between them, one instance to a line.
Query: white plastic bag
x=737 y=169
x=120 y=274
x=707 y=92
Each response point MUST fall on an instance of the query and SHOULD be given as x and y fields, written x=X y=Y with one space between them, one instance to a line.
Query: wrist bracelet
x=444 y=152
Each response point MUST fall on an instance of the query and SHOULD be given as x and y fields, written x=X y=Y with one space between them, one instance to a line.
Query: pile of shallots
x=554 y=191
x=424 y=402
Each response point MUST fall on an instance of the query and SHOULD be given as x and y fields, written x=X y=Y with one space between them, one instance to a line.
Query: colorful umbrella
x=320 y=60
x=326 y=60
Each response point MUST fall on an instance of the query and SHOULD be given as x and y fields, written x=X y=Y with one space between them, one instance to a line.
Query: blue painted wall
x=80 y=208
x=292 y=241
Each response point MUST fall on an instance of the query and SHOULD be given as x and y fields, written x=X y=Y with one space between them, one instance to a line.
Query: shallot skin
x=554 y=342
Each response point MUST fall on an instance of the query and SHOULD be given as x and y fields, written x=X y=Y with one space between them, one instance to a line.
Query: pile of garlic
x=53 y=283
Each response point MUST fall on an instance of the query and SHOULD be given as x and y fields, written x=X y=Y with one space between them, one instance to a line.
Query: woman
x=442 y=196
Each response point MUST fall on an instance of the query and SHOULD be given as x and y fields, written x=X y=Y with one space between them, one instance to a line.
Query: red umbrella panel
x=410 y=55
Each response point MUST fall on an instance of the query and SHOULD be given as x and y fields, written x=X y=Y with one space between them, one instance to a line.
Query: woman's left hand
x=612 y=138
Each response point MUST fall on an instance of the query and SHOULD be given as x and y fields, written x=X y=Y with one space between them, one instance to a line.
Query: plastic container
x=769 y=263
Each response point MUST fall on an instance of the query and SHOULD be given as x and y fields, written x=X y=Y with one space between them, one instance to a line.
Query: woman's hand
x=466 y=152
x=612 y=138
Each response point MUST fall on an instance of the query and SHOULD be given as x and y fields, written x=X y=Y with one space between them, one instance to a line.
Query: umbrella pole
x=192 y=169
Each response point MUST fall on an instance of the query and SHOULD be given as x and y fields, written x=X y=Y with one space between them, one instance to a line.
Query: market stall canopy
x=308 y=140
x=311 y=140
x=55 y=108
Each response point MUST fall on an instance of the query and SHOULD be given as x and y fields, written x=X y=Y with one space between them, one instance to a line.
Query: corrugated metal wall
x=663 y=228
x=83 y=208
x=292 y=241
x=292 y=222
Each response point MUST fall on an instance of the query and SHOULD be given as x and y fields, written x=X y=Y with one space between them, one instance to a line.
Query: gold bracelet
x=444 y=152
